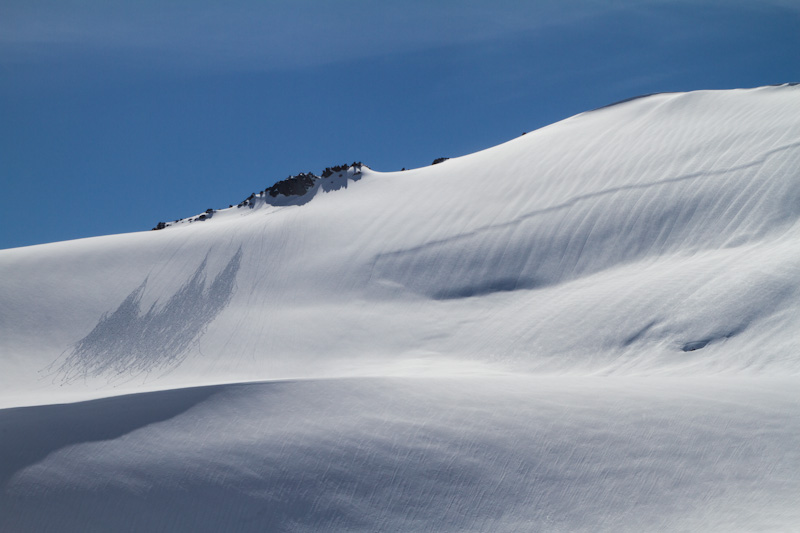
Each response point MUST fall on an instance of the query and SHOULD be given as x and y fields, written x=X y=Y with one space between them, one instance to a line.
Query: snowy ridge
x=590 y=327
x=619 y=241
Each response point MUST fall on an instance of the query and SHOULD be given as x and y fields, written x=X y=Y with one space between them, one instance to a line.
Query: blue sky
x=115 y=115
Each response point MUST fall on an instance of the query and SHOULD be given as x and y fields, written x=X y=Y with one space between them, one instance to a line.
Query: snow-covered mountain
x=592 y=327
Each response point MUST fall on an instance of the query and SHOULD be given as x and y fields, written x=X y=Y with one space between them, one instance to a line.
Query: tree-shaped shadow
x=127 y=342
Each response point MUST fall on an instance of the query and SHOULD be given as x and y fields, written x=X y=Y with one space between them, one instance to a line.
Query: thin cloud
x=276 y=34
x=251 y=35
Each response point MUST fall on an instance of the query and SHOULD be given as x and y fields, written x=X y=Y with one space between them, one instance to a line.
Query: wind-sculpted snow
x=592 y=327
x=589 y=233
x=128 y=342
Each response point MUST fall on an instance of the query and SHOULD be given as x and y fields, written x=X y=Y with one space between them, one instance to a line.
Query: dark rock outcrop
x=297 y=185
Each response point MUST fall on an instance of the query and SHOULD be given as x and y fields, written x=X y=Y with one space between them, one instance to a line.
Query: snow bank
x=412 y=454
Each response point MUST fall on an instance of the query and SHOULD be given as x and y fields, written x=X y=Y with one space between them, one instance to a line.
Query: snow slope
x=590 y=327
x=412 y=454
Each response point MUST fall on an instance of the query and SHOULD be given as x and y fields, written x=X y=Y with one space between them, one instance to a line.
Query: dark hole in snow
x=487 y=287
x=695 y=345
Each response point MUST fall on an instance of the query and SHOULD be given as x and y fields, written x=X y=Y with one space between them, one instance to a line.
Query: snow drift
x=617 y=293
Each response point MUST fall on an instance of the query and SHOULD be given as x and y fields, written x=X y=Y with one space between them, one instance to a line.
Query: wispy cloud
x=279 y=33
x=251 y=35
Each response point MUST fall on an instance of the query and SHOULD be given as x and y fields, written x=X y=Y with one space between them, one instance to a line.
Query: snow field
x=592 y=327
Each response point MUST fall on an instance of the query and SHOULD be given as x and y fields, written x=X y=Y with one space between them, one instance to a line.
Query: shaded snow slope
x=412 y=454
x=656 y=236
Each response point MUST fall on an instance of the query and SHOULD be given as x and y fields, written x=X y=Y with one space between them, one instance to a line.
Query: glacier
x=591 y=327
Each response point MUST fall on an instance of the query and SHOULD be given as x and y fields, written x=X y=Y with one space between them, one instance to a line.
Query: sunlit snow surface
x=593 y=327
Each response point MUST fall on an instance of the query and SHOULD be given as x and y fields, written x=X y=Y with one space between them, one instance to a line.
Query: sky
x=116 y=115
